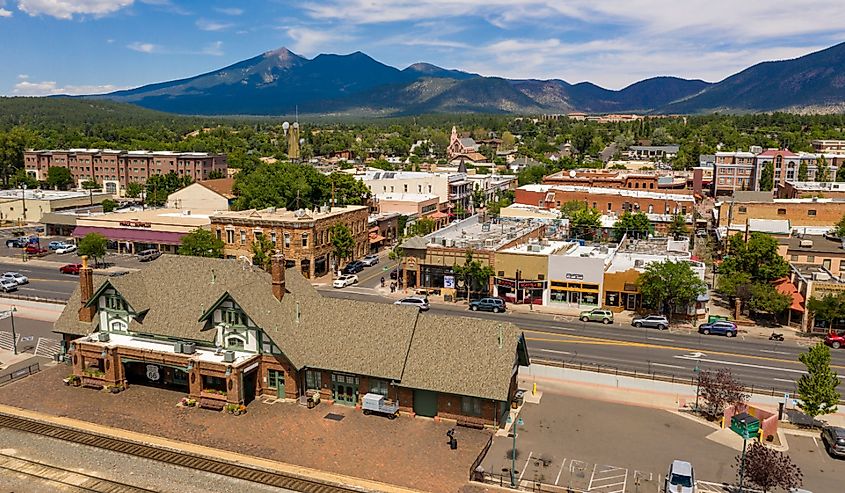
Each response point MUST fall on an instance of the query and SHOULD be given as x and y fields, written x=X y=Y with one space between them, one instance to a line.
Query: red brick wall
x=600 y=201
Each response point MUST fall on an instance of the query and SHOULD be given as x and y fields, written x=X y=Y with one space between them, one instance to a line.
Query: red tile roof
x=775 y=152
x=221 y=186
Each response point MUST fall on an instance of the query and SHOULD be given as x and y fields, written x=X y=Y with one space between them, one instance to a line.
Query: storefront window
x=213 y=383
x=378 y=386
x=611 y=298
x=558 y=297
x=590 y=299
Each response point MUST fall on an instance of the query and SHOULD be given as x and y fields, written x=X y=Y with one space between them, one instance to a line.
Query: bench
x=214 y=404
x=92 y=383
x=471 y=422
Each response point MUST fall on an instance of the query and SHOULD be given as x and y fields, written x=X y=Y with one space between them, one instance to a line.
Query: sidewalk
x=33 y=310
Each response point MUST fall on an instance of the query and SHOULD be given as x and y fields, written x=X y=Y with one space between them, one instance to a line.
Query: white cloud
x=50 y=88
x=143 y=47
x=309 y=41
x=67 y=9
x=212 y=49
x=209 y=25
x=5 y=13
x=229 y=10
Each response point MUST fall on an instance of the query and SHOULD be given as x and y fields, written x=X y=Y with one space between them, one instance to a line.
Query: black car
x=17 y=243
x=834 y=440
x=353 y=267
x=494 y=305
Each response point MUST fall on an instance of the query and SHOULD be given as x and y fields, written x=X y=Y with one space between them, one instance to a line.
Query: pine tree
x=817 y=388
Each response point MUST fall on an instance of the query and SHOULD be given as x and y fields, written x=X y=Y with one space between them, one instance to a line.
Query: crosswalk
x=47 y=348
x=6 y=340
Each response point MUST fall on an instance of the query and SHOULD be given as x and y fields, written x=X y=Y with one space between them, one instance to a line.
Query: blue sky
x=86 y=46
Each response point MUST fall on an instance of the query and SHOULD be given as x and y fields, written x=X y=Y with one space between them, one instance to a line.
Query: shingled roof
x=448 y=354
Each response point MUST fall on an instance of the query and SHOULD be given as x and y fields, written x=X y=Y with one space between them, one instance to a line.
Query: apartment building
x=829 y=146
x=237 y=333
x=606 y=200
x=114 y=169
x=303 y=236
x=453 y=189
x=738 y=171
x=801 y=213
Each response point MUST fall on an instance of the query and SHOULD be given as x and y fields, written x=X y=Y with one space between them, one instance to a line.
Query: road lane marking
x=783 y=380
x=669 y=366
x=659 y=339
x=575 y=339
x=553 y=351
x=773 y=352
x=559 y=472
x=736 y=363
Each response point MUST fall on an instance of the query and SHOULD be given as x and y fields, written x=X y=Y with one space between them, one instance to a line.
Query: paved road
x=758 y=362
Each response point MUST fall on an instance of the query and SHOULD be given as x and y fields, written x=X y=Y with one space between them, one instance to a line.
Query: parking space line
x=559 y=472
x=590 y=486
x=526 y=465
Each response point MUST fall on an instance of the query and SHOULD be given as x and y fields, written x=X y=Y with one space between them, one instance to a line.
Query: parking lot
x=612 y=448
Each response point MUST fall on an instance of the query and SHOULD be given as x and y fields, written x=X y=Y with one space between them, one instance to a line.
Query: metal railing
x=39 y=299
x=479 y=459
x=20 y=373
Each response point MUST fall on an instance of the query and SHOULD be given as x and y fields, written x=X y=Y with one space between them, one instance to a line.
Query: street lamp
x=23 y=198
x=518 y=422
x=742 y=460
x=7 y=314
x=697 y=372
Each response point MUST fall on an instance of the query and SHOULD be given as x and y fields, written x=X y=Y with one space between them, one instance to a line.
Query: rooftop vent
x=821 y=276
x=806 y=243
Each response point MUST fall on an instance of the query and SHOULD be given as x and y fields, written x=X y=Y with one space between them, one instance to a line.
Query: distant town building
x=460 y=145
x=40 y=202
x=808 y=189
x=652 y=153
x=452 y=189
x=829 y=146
x=804 y=214
x=114 y=169
x=740 y=170
x=209 y=195
x=606 y=199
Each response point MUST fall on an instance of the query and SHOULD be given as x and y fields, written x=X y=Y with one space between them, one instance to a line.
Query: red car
x=34 y=250
x=834 y=340
x=70 y=269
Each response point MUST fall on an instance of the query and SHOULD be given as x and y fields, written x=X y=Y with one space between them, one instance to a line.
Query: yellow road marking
x=565 y=339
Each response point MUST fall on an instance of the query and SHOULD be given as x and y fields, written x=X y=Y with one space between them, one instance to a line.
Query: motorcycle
x=776 y=337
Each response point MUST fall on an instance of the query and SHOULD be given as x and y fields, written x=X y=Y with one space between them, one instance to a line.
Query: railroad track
x=172 y=457
x=67 y=477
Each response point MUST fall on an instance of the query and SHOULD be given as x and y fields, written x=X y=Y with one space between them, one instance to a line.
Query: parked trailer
x=377 y=403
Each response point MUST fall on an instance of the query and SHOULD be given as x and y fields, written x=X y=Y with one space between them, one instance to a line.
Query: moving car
x=15 y=277
x=728 y=329
x=680 y=478
x=70 y=269
x=597 y=315
x=8 y=285
x=420 y=303
x=345 y=280
x=148 y=255
x=369 y=260
x=494 y=305
x=66 y=248
x=834 y=440
x=353 y=267
x=835 y=340
x=651 y=321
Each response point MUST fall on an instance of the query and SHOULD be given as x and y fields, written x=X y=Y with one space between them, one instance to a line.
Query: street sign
x=27 y=338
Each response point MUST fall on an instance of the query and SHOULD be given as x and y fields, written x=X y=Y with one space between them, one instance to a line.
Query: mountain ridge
x=279 y=81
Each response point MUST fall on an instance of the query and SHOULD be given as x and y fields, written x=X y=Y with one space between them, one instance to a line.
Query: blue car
x=727 y=329
x=55 y=245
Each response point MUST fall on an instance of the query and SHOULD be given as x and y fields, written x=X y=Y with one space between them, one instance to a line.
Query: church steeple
x=454 y=134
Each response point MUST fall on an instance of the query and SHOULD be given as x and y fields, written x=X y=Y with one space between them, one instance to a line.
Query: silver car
x=420 y=303
x=8 y=285
x=680 y=478
x=16 y=277
x=370 y=260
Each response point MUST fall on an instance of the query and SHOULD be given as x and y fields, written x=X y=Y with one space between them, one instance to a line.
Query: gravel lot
x=109 y=465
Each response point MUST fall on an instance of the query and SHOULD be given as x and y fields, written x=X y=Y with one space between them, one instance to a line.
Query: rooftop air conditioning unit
x=103 y=336
x=229 y=357
x=638 y=263
x=806 y=244
x=189 y=347
x=821 y=276
x=177 y=347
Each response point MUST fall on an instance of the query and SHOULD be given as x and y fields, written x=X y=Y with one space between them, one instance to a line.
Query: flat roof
x=176 y=217
x=828 y=186
x=777 y=226
x=542 y=247
x=808 y=271
x=621 y=192
x=37 y=194
x=472 y=233
x=407 y=197
x=820 y=244
x=164 y=347
x=138 y=152
x=281 y=214
x=636 y=254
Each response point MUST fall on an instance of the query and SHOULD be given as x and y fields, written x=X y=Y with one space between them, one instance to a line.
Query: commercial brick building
x=826 y=252
x=793 y=189
x=114 y=169
x=810 y=212
x=303 y=236
x=606 y=199
x=738 y=171
x=224 y=333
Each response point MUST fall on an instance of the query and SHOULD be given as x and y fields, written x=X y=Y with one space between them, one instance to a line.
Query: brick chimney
x=277 y=272
x=86 y=290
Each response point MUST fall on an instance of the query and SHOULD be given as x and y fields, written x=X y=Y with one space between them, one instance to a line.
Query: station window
x=312 y=379
x=471 y=406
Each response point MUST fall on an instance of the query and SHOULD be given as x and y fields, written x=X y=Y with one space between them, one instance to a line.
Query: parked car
x=34 y=250
x=651 y=321
x=494 y=305
x=16 y=243
x=834 y=339
x=148 y=255
x=70 y=269
x=55 y=245
x=727 y=329
x=17 y=277
x=345 y=280
x=353 y=267
x=680 y=478
x=66 y=249
x=8 y=285
x=421 y=303
x=369 y=260
x=597 y=315
x=834 y=440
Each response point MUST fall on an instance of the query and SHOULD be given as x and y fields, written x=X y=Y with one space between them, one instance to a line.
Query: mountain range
x=279 y=82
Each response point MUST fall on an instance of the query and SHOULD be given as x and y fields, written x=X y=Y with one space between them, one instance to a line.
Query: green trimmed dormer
x=236 y=331
x=113 y=311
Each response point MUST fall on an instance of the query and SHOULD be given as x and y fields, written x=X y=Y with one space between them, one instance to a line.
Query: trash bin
x=518 y=399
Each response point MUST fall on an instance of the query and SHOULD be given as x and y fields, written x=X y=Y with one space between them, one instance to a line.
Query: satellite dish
x=295 y=124
x=285 y=127
x=301 y=141
x=572 y=173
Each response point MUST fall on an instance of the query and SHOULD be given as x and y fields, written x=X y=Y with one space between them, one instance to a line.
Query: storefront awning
x=784 y=286
x=133 y=235
x=438 y=215
x=376 y=238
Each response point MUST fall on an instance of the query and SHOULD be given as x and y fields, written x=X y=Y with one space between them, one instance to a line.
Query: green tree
x=215 y=174
x=758 y=257
x=478 y=197
x=90 y=185
x=108 y=205
x=134 y=189
x=531 y=174
x=766 y=299
x=12 y=145
x=582 y=139
x=94 y=246
x=669 y=285
x=719 y=389
x=160 y=186
x=476 y=276
x=767 y=177
x=730 y=285
x=839 y=229
x=262 y=251
x=583 y=221
x=201 y=243
x=348 y=190
x=634 y=225
x=59 y=177
x=840 y=173
x=828 y=308
x=678 y=227
x=817 y=388
x=767 y=468
x=802 y=171
x=21 y=177
x=421 y=227
x=343 y=243
x=823 y=170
